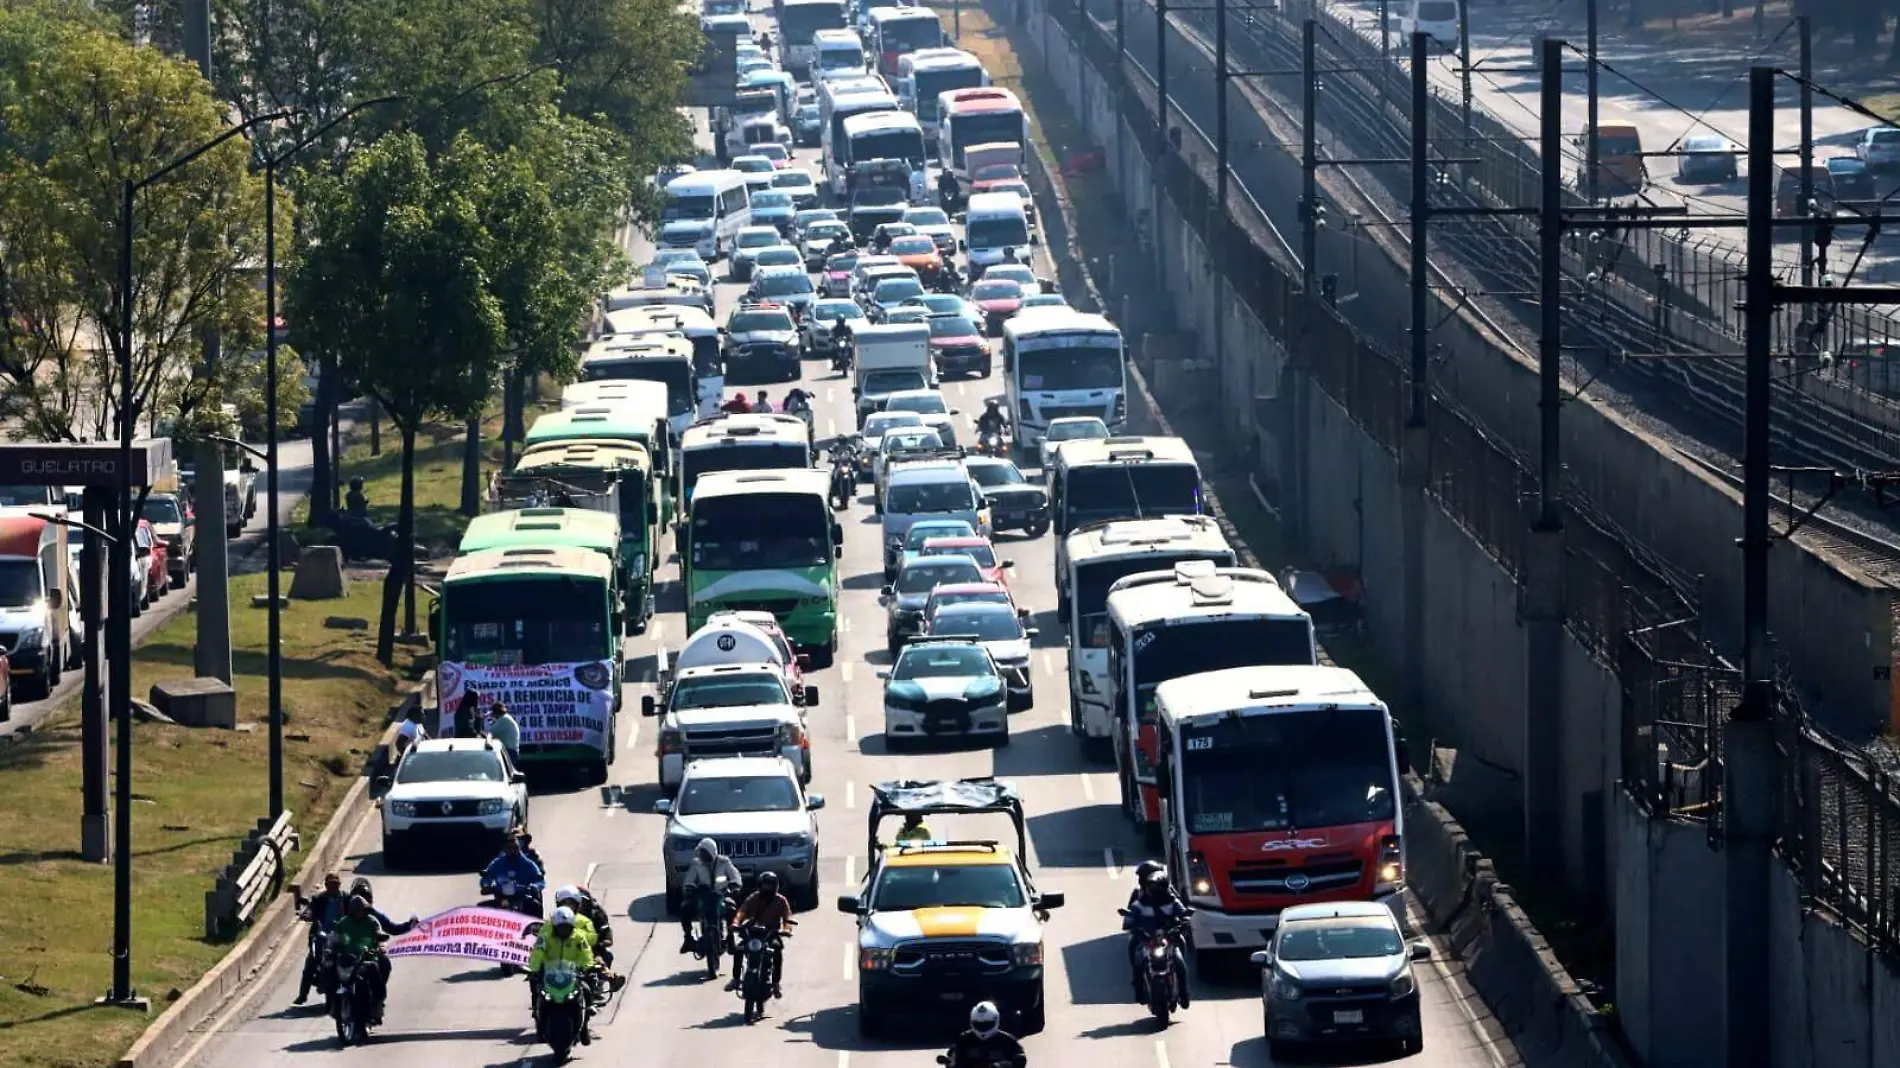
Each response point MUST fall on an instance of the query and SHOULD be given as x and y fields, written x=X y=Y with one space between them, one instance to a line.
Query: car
x=824 y=315
x=919 y=253
x=897 y=446
x=1788 y=192
x=789 y=287
x=452 y=792
x=904 y=596
x=761 y=341
x=952 y=593
x=153 y=560
x=807 y=128
x=940 y=688
x=778 y=154
x=758 y=812
x=803 y=221
x=1018 y=273
x=935 y=224
x=749 y=242
x=1020 y=188
x=997 y=299
x=728 y=710
x=778 y=256
x=946 y=304
x=173 y=522
x=1043 y=300
x=774 y=208
x=839 y=271
x=929 y=403
x=877 y=385
x=940 y=489
x=886 y=233
x=1879 y=147
x=976 y=548
x=1015 y=504
x=1851 y=177
x=925 y=529
x=749 y=62
x=905 y=313
x=1001 y=632
x=868 y=262
x=874 y=269
x=957 y=346
x=668 y=263
x=1708 y=158
x=890 y=293
x=1068 y=428
x=671 y=171
x=818 y=240
x=1340 y=972
x=799 y=184
x=758 y=170
x=878 y=424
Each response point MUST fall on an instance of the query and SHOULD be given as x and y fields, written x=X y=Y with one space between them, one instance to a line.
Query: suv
x=762 y=341
x=984 y=941
x=904 y=598
x=450 y=789
x=1015 y=504
x=757 y=811
x=729 y=710
x=933 y=490
x=171 y=519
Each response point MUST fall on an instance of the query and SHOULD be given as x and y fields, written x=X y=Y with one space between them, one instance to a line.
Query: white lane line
x=850 y=863
x=844 y=625
x=657 y=629
x=828 y=393
x=851 y=729
x=1161 y=1054
x=844 y=671
x=633 y=734
x=844 y=1055
x=607 y=811
x=831 y=428
x=850 y=795
x=1088 y=789
x=1048 y=662
x=587 y=881
x=848 y=969
x=1108 y=860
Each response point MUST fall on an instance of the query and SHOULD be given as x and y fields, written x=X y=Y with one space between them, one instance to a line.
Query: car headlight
x=30 y=638
x=874 y=960
x=801 y=840
x=791 y=734
x=1026 y=954
x=494 y=806
x=902 y=702
x=681 y=844
x=1403 y=984
x=405 y=809
x=1284 y=989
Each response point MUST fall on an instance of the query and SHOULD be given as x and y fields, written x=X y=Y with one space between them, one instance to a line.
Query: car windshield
x=936 y=528
x=830 y=311
x=778 y=257
x=842 y=262
x=942 y=326
x=923 y=577
x=829 y=232
x=758 y=238
x=984 y=555
x=988 y=475
x=884 y=422
x=926 y=217
x=930 y=497
x=927 y=403
x=162 y=510
x=941 y=662
x=771 y=198
x=1011 y=272
x=888 y=232
x=752 y=322
x=893 y=381
x=878 y=198
x=897 y=290
x=808 y=113
x=791 y=283
x=1340 y=938
x=770 y=151
x=753 y=793
x=983 y=622
x=990 y=886
x=996 y=289
x=913 y=245
x=941 y=599
x=1704 y=144
x=911 y=439
x=752 y=165
x=1077 y=430
x=729 y=691
x=450 y=766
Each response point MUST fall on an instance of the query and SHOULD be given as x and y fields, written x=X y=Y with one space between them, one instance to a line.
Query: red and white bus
x=1280 y=787
x=899 y=31
x=1194 y=618
x=984 y=115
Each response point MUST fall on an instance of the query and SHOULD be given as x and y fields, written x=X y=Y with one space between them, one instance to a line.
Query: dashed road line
x=849 y=953
x=1088 y=789
x=1113 y=866
x=851 y=729
x=1161 y=1054
x=851 y=795
x=850 y=866
x=587 y=881
x=633 y=734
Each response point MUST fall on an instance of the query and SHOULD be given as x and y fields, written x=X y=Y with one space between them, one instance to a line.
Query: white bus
x=925 y=74
x=1060 y=362
x=834 y=143
x=899 y=31
x=836 y=54
x=986 y=115
x=705 y=211
x=1164 y=624
x=799 y=22
x=884 y=135
x=1101 y=480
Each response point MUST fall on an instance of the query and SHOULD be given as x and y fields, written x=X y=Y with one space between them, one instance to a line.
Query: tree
x=81 y=112
x=394 y=288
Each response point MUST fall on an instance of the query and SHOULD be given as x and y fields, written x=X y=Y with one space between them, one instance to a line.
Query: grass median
x=196 y=792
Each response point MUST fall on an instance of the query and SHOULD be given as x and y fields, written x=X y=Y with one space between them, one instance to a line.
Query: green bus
x=759 y=540
x=641 y=422
x=580 y=528
x=614 y=477
x=537 y=628
x=756 y=441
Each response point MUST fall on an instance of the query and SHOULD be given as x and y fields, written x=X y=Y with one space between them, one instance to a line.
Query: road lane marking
x=657 y=629
x=633 y=734
x=851 y=729
x=1088 y=789
x=1108 y=860
x=844 y=671
x=850 y=795
x=831 y=428
x=850 y=863
x=1161 y=1054
x=844 y=1056
x=587 y=880
x=828 y=390
x=845 y=624
x=848 y=962
x=1048 y=662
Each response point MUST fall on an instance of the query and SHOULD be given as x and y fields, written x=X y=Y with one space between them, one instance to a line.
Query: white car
x=929 y=403
x=871 y=436
x=1068 y=428
x=758 y=171
x=755 y=808
x=934 y=223
x=799 y=183
x=1879 y=148
x=1000 y=630
x=898 y=445
x=453 y=791
x=750 y=241
x=944 y=688
x=729 y=710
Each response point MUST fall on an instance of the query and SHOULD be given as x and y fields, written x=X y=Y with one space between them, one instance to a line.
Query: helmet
x=707 y=849
x=768 y=882
x=1147 y=868
x=359 y=905
x=563 y=918
x=993 y=404
x=1157 y=882
x=566 y=894
x=984 y=1019
x=359 y=887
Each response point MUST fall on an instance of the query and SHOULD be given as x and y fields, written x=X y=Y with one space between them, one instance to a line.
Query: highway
x=457 y=1013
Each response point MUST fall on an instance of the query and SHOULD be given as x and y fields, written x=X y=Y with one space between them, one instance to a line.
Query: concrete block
x=202 y=702
x=320 y=575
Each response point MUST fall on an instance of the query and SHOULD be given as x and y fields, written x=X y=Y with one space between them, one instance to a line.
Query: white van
x=1439 y=18
x=705 y=211
x=835 y=54
x=995 y=223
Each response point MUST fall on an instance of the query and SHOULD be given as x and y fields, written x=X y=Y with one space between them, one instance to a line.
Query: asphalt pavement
x=445 y=1012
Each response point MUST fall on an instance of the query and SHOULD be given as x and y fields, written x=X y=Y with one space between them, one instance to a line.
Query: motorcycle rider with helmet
x=769 y=909
x=992 y=421
x=322 y=913
x=841 y=345
x=1151 y=908
x=562 y=942
x=362 y=931
x=708 y=866
x=591 y=919
x=514 y=866
x=985 y=1043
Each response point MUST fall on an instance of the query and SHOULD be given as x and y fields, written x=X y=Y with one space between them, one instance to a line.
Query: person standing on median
x=504 y=728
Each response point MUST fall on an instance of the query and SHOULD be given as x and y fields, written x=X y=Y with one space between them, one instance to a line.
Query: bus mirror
x=653 y=512
x=811 y=696
x=648 y=706
x=1401 y=749
x=837 y=533
x=1035 y=238
x=1031 y=632
x=837 y=552
x=435 y=629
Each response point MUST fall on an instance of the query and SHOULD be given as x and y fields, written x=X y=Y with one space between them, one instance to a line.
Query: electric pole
x=1464 y=67
x=1415 y=445
x=1590 y=133
x=1309 y=155
x=1807 y=150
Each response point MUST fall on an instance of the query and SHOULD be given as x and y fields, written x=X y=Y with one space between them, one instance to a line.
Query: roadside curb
x=169 y=1036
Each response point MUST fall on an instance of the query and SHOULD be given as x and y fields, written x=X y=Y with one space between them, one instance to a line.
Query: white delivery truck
x=891 y=357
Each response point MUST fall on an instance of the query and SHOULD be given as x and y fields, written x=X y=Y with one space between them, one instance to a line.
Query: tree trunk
x=322 y=475
x=375 y=428
x=406 y=529
x=511 y=428
x=472 y=469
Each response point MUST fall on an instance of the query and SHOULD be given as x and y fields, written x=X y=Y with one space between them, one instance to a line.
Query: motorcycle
x=562 y=1005
x=1164 y=971
x=841 y=356
x=844 y=473
x=994 y=1060
x=353 y=1005
x=318 y=972
x=509 y=897
x=992 y=443
x=757 y=947
x=712 y=908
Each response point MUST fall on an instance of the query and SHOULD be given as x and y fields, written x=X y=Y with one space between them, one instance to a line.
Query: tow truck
x=944 y=924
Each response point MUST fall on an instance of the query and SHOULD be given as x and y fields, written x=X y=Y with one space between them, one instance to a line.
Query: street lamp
x=273 y=549
x=120 y=655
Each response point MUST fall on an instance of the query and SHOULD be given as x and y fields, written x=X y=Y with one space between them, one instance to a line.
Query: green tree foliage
x=81 y=111
x=395 y=289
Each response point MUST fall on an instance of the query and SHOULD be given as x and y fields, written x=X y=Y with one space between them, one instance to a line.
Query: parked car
x=1879 y=147
x=154 y=560
x=1708 y=158
x=1851 y=177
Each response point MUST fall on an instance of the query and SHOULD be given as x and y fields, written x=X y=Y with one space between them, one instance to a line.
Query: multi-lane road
x=457 y=1013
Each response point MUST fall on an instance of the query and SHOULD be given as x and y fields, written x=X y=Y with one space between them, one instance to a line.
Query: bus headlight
x=1391 y=861
x=1200 y=878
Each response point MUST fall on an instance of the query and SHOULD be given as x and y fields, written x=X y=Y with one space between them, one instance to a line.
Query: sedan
x=1852 y=178
x=757 y=169
x=919 y=253
x=807 y=216
x=891 y=292
x=819 y=239
x=798 y=183
x=1340 y=972
x=1879 y=147
x=957 y=346
x=787 y=286
x=807 y=127
x=779 y=155
x=904 y=598
x=975 y=547
x=778 y=256
x=750 y=242
x=997 y=299
x=839 y=270
x=934 y=223
x=1002 y=633
x=947 y=304
x=886 y=233
x=774 y=208
x=1068 y=428
x=1707 y=158
x=944 y=688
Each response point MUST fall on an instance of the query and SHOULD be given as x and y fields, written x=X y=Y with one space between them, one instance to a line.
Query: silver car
x=761 y=818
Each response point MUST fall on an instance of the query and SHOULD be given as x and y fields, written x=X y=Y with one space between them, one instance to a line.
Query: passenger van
x=1620 y=167
x=995 y=223
x=705 y=211
x=1438 y=18
x=836 y=53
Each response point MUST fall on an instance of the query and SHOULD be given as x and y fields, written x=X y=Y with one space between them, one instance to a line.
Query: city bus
x=634 y=398
x=1164 y=624
x=1088 y=563
x=1060 y=362
x=799 y=21
x=1095 y=480
x=643 y=425
x=981 y=116
x=766 y=541
x=899 y=31
x=615 y=477
x=835 y=143
x=1280 y=787
x=537 y=628
x=675 y=346
x=885 y=135
x=579 y=527
x=753 y=441
x=928 y=73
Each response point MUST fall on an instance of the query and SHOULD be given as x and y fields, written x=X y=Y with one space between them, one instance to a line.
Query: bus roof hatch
x=1186 y=572
x=1212 y=590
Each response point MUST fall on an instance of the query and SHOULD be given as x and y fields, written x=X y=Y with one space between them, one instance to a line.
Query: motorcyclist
x=992 y=421
x=1152 y=908
x=913 y=830
x=947 y=189
x=986 y=1042
x=949 y=279
x=362 y=931
x=769 y=909
x=762 y=403
x=797 y=401
x=562 y=942
x=704 y=872
x=513 y=866
x=592 y=918
x=528 y=850
x=322 y=913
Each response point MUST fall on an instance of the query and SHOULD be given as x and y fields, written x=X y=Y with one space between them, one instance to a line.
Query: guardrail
x=255 y=875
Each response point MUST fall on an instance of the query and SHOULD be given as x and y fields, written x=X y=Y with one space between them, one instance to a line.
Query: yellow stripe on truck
x=952 y=921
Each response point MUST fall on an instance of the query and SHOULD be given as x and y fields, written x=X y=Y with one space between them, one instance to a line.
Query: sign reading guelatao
x=83 y=465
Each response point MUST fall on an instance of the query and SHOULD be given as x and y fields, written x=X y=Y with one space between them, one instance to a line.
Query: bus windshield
x=840 y=57
x=675 y=374
x=538 y=620
x=1173 y=651
x=904 y=144
x=1131 y=491
x=1309 y=769
x=761 y=532
x=1093 y=580
x=1092 y=367
x=800 y=21
x=983 y=128
x=932 y=83
x=758 y=456
x=901 y=35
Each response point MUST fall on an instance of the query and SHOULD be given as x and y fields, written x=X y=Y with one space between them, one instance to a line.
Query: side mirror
x=383 y=783
x=648 y=706
x=1421 y=950
x=1035 y=239
x=1031 y=632
x=1009 y=564
x=811 y=695
x=814 y=802
x=848 y=904
x=653 y=512
x=662 y=807
x=962 y=245
x=837 y=552
x=1261 y=958
x=887 y=591
x=1022 y=613
x=1052 y=900
x=884 y=674
x=55 y=599
x=517 y=778
x=803 y=662
x=956 y=411
x=837 y=532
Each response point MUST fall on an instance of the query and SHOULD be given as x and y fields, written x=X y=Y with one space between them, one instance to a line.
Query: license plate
x=1349 y=1016
x=943 y=725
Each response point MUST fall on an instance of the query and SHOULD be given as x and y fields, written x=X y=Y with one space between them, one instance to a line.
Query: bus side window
x=1115 y=667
